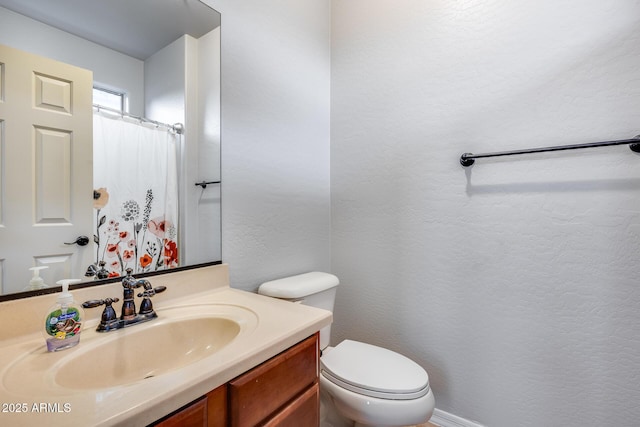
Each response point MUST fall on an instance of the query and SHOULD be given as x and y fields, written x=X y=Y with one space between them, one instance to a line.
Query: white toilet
x=367 y=385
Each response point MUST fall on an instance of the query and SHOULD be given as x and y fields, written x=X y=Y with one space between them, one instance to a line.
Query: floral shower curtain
x=136 y=195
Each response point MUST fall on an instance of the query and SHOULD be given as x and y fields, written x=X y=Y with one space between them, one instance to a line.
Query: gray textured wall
x=514 y=283
x=275 y=138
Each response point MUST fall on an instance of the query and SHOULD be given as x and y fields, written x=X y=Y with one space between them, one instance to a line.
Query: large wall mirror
x=110 y=140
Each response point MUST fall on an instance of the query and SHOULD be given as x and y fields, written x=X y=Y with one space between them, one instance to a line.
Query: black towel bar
x=204 y=184
x=467 y=159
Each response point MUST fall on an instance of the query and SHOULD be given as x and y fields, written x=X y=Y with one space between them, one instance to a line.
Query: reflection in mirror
x=125 y=180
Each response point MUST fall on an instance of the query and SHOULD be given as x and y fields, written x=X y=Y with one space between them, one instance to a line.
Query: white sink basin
x=179 y=337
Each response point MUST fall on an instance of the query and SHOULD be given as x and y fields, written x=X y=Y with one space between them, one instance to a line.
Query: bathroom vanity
x=214 y=356
x=282 y=391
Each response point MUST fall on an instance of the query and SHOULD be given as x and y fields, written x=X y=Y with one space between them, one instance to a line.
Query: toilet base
x=331 y=416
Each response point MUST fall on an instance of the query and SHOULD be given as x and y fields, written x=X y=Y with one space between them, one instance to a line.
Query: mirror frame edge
x=56 y=289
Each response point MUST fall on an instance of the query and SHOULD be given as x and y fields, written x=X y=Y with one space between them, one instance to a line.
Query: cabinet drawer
x=259 y=393
x=304 y=411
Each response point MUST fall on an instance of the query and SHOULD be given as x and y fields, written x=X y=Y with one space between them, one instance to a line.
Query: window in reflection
x=108 y=98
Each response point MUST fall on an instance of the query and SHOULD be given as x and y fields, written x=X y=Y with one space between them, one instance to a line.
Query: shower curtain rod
x=177 y=128
x=467 y=159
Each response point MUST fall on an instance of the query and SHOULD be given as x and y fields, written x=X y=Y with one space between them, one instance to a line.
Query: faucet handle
x=146 y=307
x=109 y=319
x=98 y=302
x=151 y=292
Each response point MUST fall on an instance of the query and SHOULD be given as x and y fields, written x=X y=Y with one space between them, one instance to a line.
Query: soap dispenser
x=63 y=322
x=36 y=281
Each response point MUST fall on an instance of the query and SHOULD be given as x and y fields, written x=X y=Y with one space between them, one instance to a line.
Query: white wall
x=164 y=82
x=275 y=138
x=111 y=69
x=208 y=100
x=188 y=91
x=514 y=283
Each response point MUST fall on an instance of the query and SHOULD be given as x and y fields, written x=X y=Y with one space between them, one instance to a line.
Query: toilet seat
x=374 y=371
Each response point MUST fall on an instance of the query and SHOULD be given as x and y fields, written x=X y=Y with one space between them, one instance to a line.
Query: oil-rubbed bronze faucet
x=128 y=316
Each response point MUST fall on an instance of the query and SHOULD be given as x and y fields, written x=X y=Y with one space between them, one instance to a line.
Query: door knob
x=80 y=241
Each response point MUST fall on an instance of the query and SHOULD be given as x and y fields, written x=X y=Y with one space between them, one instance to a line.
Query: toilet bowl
x=374 y=386
x=366 y=384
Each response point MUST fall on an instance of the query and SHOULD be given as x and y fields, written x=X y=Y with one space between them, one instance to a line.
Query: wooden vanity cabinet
x=217 y=407
x=259 y=394
x=207 y=411
x=281 y=392
x=304 y=411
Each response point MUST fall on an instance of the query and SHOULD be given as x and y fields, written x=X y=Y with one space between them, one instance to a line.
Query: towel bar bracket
x=465 y=161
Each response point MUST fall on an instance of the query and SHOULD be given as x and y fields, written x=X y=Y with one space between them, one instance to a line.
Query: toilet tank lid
x=299 y=286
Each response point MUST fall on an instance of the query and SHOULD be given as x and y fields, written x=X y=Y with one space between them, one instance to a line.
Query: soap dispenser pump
x=36 y=281
x=63 y=322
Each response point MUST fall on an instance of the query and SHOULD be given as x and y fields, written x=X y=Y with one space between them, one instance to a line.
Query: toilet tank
x=315 y=289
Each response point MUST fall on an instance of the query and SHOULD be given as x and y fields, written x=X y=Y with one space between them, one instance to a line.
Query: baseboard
x=445 y=419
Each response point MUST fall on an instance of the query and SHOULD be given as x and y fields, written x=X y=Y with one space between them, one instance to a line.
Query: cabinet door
x=194 y=415
x=304 y=411
x=261 y=392
x=208 y=411
x=217 y=407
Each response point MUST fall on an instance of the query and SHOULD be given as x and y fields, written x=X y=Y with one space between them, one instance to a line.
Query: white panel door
x=46 y=169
